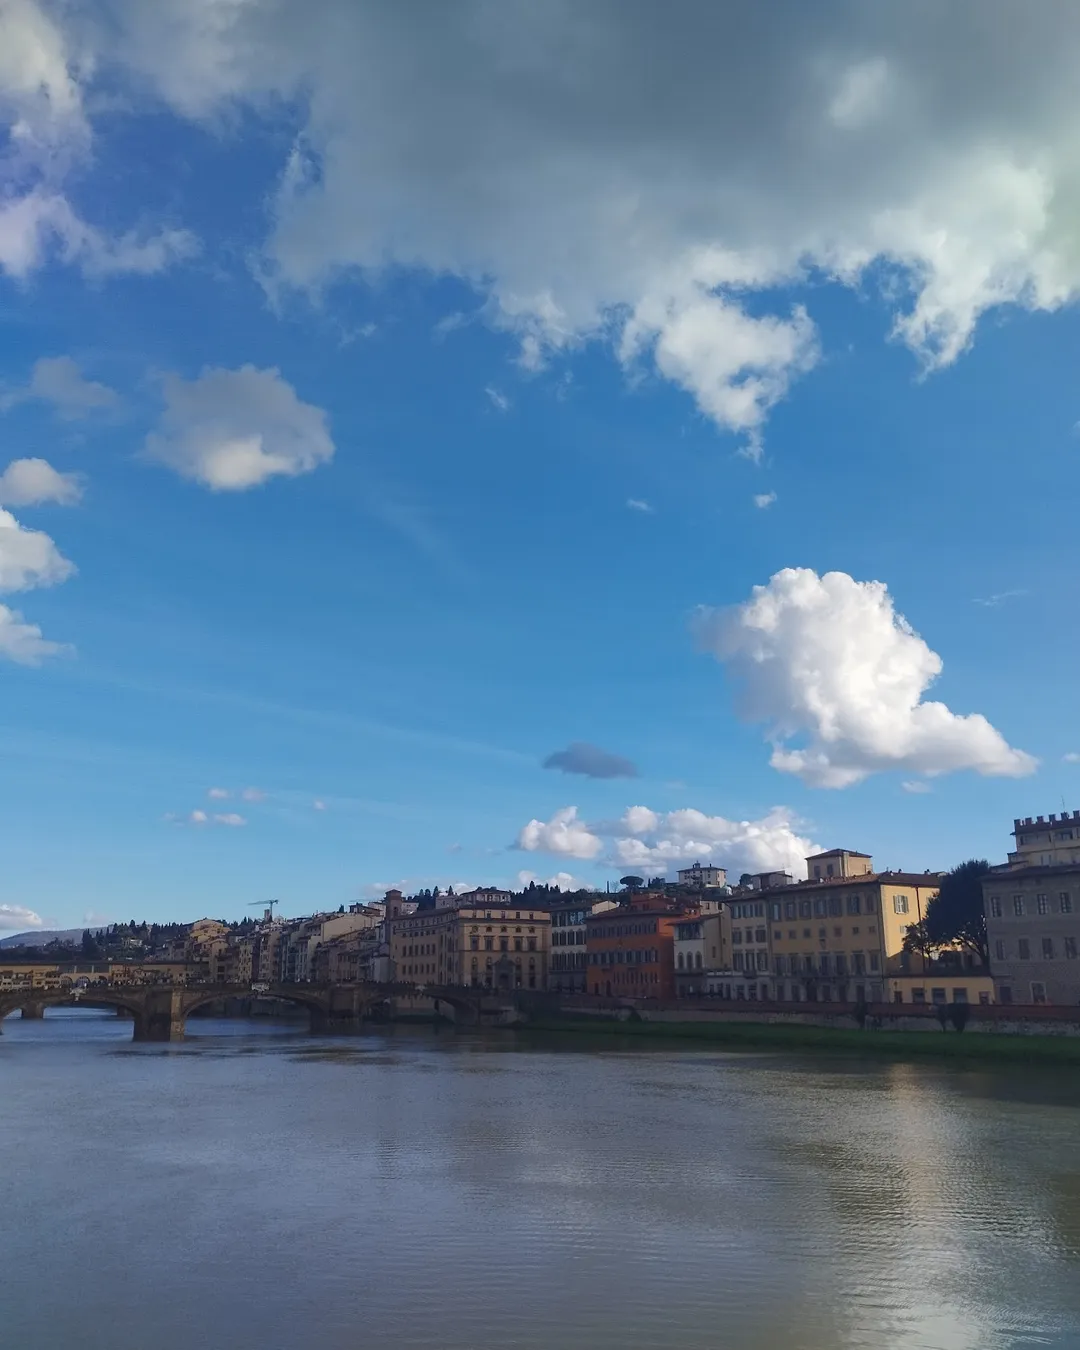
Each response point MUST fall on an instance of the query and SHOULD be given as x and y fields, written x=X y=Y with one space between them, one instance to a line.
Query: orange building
x=631 y=950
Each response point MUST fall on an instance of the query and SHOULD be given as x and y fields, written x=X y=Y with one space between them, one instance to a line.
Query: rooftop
x=837 y=853
x=1049 y=822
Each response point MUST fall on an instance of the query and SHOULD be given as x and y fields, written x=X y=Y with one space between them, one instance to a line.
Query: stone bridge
x=160 y=1011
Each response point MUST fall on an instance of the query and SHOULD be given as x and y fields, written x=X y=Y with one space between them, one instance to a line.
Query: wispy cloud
x=1072 y=757
x=200 y=818
x=217 y=794
x=992 y=601
x=637 y=504
x=498 y=399
x=763 y=500
x=916 y=786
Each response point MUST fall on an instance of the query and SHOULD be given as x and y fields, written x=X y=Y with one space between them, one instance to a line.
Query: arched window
x=697 y=960
x=680 y=961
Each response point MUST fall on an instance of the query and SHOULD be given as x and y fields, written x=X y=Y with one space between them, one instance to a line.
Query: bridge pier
x=33 y=1011
x=161 y=1017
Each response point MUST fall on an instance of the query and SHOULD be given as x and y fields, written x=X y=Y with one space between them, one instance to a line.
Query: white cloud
x=23 y=642
x=636 y=504
x=829 y=660
x=253 y=794
x=563 y=834
x=28 y=558
x=564 y=880
x=654 y=841
x=993 y=601
x=763 y=500
x=916 y=786
x=44 y=69
x=59 y=381
x=31 y=482
x=197 y=817
x=318 y=805
x=1072 y=757
x=200 y=817
x=235 y=429
x=14 y=918
x=230 y=818
x=218 y=794
x=498 y=400
x=620 y=173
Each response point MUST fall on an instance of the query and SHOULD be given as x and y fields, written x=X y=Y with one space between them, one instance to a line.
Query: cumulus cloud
x=199 y=817
x=564 y=834
x=32 y=482
x=23 y=642
x=763 y=500
x=59 y=381
x=591 y=761
x=564 y=880
x=29 y=558
x=626 y=172
x=45 y=70
x=828 y=660
x=654 y=840
x=219 y=794
x=235 y=429
x=13 y=918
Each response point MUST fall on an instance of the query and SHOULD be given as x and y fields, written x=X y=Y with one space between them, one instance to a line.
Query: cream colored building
x=702 y=948
x=838 y=938
x=461 y=943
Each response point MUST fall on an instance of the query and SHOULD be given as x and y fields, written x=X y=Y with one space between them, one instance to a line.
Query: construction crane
x=268 y=905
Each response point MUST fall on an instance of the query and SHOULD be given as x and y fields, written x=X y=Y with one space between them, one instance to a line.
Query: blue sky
x=356 y=542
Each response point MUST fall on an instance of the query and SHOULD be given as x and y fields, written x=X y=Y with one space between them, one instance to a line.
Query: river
x=257 y=1189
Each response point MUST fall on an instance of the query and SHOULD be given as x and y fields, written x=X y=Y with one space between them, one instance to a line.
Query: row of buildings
x=838 y=936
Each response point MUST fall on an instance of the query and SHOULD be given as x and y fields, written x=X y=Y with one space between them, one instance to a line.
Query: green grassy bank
x=967 y=1045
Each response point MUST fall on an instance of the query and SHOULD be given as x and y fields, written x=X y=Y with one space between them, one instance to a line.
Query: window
x=697 y=960
x=1043 y=903
x=835 y=906
x=995 y=906
x=819 y=909
x=679 y=961
x=1018 y=905
x=999 y=950
x=837 y=931
x=761 y=935
x=959 y=996
x=1070 y=949
x=1038 y=992
x=517 y=944
x=900 y=904
x=737 y=960
x=875 y=961
x=1023 y=949
x=804 y=909
x=853 y=904
x=918 y=996
x=531 y=944
x=763 y=960
x=736 y=936
x=775 y=910
x=858 y=963
x=1005 y=993
x=489 y=944
x=1048 y=949
x=1065 y=902
x=939 y=996
x=790 y=909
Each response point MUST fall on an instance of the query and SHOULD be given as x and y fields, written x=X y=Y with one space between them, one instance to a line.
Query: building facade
x=462 y=943
x=702 y=948
x=837 y=938
x=699 y=877
x=631 y=949
x=1033 y=929
x=568 y=964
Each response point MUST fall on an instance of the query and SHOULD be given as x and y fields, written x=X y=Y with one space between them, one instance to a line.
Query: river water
x=257 y=1189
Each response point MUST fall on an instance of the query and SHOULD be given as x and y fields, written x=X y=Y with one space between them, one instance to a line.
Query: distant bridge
x=160 y=1011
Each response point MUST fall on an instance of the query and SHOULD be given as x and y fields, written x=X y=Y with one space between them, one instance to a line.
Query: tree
x=959 y=1014
x=632 y=883
x=91 y=948
x=747 y=879
x=955 y=916
x=917 y=941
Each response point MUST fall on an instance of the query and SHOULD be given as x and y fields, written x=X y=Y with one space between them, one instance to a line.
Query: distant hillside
x=39 y=939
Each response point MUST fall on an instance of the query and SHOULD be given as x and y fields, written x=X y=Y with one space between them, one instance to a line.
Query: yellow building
x=460 y=942
x=841 y=937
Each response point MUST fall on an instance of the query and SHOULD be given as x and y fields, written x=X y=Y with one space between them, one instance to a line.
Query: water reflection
x=253 y=1187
